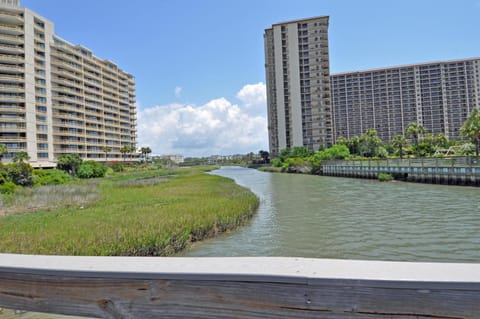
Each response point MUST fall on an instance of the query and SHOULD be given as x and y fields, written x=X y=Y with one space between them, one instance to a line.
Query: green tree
x=148 y=151
x=21 y=157
x=400 y=143
x=369 y=143
x=124 y=150
x=69 y=163
x=3 y=151
x=91 y=169
x=265 y=156
x=300 y=151
x=106 y=150
x=145 y=151
x=284 y=154
x=471 y=129
x=337 y=151
x=415 y=131
x=353 y=144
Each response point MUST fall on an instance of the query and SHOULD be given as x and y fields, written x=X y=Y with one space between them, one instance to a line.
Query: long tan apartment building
x=57 y=98
x=307 y=106
x=438 y=95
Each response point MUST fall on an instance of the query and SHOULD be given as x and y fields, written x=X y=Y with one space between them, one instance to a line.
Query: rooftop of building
x=404 y=66
x=299 y=21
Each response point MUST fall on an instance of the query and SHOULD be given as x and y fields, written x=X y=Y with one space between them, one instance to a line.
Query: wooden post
x=275 y=287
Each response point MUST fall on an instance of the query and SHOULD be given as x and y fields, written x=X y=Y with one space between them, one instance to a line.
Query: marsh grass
x=148 y=181
x=153 y=220
x=50 y=197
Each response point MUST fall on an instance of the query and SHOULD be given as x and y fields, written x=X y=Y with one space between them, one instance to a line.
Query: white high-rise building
x=57 y=98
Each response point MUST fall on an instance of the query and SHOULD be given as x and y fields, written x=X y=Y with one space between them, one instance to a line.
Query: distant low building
x=177 y=159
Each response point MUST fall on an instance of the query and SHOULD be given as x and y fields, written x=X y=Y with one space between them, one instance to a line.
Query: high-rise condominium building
x=438 y=95
x=298 y=84
x=57 y=98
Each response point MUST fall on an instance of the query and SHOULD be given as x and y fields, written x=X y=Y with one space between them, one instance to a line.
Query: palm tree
x=145 y=151
x=124 y=150
x=415 y=131
x=131 y=150
x=20 y=157
x=148 y=150
x=471 y=129
x=399 y=141
x=106 y=150
x=3 y=151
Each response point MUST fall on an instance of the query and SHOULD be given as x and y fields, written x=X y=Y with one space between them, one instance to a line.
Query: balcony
x=65 y=89
x=12 y=98
x=66 y=98
x=11 y=88
x=58 y=133
x=12 y=49
x=59 y=80
x=11 y=29
x=12 y=127
x=72 y=116
x=10 y=18
x=11 y=39
x=67 y=74
x=12 y=108
x=7 y=58
x=11 y=69
x=12 y=120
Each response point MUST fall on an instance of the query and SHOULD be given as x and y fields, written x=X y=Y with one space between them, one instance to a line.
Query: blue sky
x=199 y=64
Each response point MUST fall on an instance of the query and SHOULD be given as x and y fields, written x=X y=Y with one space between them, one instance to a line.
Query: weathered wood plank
x=120 y=287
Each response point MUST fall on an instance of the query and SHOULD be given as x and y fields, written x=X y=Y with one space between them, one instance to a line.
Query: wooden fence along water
x=449 y=171
x=126 y=287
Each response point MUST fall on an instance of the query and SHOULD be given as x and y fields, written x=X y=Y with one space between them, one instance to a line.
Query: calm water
x=328 y=217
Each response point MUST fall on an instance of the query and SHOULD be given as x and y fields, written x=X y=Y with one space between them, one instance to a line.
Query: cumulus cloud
x=254 y=97
x=217 y=127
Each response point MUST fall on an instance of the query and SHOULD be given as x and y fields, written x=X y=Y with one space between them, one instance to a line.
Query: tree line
x=414 y=142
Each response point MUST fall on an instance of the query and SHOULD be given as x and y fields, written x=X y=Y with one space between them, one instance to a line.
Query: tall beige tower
x=298 y=84
x=57 y=98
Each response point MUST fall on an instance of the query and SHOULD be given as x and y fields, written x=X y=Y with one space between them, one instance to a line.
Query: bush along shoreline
x=136 y=213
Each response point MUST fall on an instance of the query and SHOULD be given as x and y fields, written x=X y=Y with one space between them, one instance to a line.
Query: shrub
x=8 y=188
x=20 y=173
x=3 y=174
x=69 y=163
x=385 y=177
x=276 y=162
x=117 y=167
x=91 y=169
x=50 y=177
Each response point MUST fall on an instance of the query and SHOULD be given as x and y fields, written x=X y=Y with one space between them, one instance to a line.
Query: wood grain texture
x=238 y=288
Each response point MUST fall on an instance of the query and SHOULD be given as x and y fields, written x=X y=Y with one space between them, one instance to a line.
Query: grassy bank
x=137 y=214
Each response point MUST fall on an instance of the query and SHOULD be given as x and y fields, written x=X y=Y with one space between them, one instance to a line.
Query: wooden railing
x=126 y=287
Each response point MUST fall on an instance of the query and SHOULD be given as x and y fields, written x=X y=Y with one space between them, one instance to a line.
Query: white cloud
x=254 y=97
x=217 y=127
x=178 y=91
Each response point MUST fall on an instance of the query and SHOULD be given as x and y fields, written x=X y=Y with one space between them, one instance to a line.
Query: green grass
x=134 y=218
